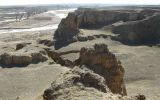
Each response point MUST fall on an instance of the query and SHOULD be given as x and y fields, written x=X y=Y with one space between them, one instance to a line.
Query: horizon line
x=81 y=4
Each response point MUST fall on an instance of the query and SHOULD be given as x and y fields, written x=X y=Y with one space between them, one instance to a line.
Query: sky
x=25 y=2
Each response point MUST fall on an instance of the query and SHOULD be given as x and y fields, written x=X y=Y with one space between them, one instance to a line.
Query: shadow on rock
x=60 y=44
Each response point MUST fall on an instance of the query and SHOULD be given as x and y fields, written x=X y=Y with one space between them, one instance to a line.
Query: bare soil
x=141 y=65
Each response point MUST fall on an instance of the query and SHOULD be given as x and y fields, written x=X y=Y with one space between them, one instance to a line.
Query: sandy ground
x=141 y=64
x=27 y=83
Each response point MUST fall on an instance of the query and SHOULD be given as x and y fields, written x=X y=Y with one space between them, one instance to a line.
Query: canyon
x=101 y=53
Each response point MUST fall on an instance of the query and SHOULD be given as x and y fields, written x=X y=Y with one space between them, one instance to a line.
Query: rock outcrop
x=23 y=56
x=99 y=18
x=145 y=31
x=56 y=57
x=104 y=63
x=33 y=54
x=97 y=76
x=81 y=83
x=68 y=29
x=78 y=78
x=15 y=59
x=67 y=25
x=19 y=59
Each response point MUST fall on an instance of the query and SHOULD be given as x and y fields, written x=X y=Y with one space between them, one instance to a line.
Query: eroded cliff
x=68 y=29
x=139 y=32
x=97 y=75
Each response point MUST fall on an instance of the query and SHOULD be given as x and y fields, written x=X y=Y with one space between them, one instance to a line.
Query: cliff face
x=97 y=76
x=99 y=18
x=104 y=63
x=140 y=32
x=87 y=18
x=68 y=28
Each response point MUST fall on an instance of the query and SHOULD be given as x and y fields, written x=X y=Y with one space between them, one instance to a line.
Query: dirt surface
x=141 y=64
x=27 y=83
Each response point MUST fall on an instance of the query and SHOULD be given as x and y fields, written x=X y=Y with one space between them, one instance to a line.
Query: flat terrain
x=27 y=83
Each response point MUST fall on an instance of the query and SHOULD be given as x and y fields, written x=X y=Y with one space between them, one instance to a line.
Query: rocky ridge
x=97 y=74
x=68 y=29
x=24 y=56
x=28 y=53
x=139 y=32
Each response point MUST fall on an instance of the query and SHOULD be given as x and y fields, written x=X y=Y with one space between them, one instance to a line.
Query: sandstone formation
x=18 y=59
x=68 y=29
x=99 y=18
x=81 y=83
x=139 y=32
x=104 y=63
x=77 y=78
x=8 y=59
x=23 y=57
x=97 y=76
x=92 y=17
x=32 y=54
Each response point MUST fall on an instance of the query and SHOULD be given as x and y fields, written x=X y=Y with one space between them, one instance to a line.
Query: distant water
x=58 y=13
x=48 y=27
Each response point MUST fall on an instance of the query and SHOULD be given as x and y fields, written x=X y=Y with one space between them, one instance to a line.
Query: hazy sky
x=20 y=2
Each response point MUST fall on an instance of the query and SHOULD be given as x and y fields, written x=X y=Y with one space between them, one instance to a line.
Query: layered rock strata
x=146 y=31
x=104 y=63
x=81 y=83
x=97 y=76
x=23 y=57
x=68 y=29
